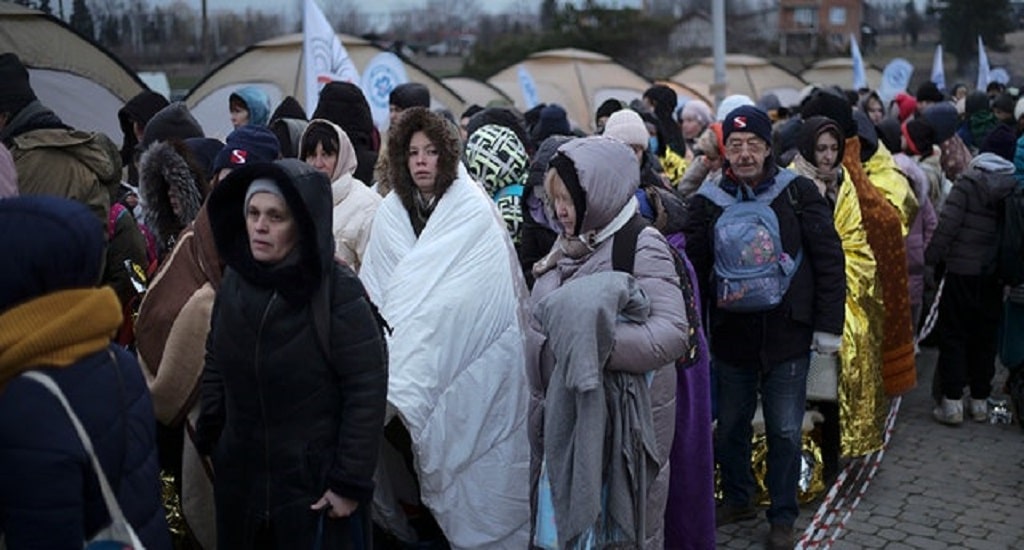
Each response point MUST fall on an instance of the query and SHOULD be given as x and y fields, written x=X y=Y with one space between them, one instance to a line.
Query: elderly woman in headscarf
x=619 y=332
x=440 y=260
x=693 y=119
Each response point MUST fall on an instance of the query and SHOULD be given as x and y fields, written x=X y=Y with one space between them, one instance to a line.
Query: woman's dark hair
x=321 y=134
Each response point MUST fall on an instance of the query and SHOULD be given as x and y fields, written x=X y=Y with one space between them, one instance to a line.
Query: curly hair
x=441 y=133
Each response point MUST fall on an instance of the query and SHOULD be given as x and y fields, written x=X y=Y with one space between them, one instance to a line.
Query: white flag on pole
x=382 y=75
x=938 y=72
x=895 y=78
x=983 y=69
x=528 y=87
x=860 y=78
x=325 y=59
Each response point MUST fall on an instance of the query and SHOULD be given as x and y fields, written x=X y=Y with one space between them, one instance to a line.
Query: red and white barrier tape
x=823 y=530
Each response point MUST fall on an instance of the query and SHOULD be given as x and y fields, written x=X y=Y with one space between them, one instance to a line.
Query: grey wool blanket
x=595 y=422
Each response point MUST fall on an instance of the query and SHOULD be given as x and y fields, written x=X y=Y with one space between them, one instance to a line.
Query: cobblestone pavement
x=936 y=486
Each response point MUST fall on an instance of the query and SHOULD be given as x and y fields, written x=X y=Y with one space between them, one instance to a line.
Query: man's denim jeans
x=783 y=389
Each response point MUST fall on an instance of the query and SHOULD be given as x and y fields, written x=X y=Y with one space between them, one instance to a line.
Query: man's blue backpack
x=751 y=271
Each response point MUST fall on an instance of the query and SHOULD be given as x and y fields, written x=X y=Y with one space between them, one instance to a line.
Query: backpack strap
x=624 y=244
x=711 y=190
x=783 y=179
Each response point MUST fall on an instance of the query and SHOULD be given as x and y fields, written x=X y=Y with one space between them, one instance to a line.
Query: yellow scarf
x=57 y=329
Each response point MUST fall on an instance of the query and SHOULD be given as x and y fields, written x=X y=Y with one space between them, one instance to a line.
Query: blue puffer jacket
x=50 y=496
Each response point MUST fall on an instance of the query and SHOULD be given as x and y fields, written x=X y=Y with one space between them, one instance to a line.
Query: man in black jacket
x=767 y=351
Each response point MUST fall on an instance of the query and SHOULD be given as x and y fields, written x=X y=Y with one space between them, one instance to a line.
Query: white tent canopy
x=475 y=92
x=276 y=66
x=838 y=71
x=82 y=83
x=578 y=80
x=745 y=74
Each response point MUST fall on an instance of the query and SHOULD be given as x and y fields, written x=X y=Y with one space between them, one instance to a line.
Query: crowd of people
x=484 y=331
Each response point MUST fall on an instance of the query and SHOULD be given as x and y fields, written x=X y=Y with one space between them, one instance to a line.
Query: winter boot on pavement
x=780 y=537
x=949 y=411
x=979 y=410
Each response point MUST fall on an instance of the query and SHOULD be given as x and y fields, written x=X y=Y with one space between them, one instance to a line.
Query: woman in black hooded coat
x=294 y=387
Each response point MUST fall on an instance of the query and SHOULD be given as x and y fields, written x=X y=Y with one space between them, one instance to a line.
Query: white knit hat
x=730 y=103
x=627 y=127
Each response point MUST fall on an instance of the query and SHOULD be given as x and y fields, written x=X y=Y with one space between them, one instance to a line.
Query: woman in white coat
x=326 y=147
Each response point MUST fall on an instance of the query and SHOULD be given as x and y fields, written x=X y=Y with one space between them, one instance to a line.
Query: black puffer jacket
x=283 y=420
x=816 y=296
x=967 y=235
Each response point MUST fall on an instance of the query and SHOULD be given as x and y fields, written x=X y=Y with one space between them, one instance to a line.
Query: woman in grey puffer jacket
x=965 y=241
x=592 y=182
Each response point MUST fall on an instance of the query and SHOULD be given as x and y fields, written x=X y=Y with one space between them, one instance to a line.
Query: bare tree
x=346 y=17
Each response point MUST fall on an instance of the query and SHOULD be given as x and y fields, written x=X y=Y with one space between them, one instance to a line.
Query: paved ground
x=936 y=487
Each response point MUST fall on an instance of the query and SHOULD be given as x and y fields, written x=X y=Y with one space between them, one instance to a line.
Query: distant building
x=818 y=26
x=758 y=22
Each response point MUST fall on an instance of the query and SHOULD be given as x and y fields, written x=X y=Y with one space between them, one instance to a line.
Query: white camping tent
x=745 y=74
x=838 y=71
x=83 y=84
x=473 y=91
x=276 y=66
x=578 y=80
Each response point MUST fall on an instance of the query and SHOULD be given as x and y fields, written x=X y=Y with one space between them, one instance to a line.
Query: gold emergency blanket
x=811 y=483
x=884 y=230
x=886 y=177
x=862 y=402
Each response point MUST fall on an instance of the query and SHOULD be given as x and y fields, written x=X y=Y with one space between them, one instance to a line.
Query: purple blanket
x=690 y=512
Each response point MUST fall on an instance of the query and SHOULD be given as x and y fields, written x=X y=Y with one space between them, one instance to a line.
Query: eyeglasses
x=754 y=146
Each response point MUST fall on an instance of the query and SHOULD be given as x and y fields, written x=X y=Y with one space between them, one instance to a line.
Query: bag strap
x=117 y=518
x=624 y=244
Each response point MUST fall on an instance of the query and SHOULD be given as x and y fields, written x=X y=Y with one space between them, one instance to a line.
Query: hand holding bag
x=119 y=534
x=823 y=377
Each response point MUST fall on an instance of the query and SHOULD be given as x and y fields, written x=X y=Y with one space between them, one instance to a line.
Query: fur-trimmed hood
x=164 y=165
x=441 y=133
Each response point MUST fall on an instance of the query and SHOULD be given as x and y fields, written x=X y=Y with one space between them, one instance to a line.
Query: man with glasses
x=765 y=349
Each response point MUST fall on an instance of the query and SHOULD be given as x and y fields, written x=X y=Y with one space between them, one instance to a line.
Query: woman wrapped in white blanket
x=442 y=270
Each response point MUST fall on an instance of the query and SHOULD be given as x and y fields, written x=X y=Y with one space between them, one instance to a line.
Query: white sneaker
x=979 y=410
x=950 y=412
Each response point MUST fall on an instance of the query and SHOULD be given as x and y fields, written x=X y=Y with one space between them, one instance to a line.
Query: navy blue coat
x=49 y=496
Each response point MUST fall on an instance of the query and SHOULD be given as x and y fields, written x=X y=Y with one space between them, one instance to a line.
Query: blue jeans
x=783 y=389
